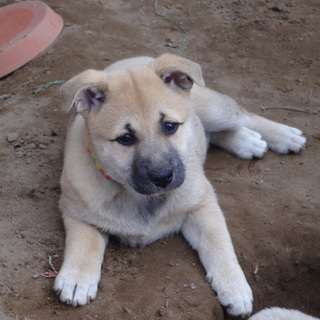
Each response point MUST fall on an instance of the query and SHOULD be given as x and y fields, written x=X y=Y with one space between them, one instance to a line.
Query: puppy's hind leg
x=206 y=231
x=217 y=111
x=77 y=281
x=280 y=138
x=224 y=121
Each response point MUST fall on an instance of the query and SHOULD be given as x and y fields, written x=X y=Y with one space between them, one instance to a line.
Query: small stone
x=31 y=146
x=5 y=96
x=173 y=264
x=19 y=154
x=12 y=136
x=162 y=312
x=191 y=286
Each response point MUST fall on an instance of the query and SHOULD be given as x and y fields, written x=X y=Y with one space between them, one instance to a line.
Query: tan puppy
x=147 y=128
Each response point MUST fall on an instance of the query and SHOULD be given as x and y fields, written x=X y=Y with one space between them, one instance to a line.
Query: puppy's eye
x=127 y=139
x=170 y=127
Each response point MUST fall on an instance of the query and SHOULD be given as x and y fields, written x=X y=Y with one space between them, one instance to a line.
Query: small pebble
x=12 y=136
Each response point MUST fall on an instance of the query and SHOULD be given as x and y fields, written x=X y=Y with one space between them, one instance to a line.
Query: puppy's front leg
x=77 y=281
x=242 y=142
x=206 y=231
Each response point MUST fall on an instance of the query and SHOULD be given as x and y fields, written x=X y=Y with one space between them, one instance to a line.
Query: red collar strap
x=96 y=164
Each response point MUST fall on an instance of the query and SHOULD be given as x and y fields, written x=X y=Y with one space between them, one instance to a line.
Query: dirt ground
x=265 y=54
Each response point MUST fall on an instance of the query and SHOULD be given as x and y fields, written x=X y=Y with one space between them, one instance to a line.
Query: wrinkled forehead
x=140 y=92
x=134 y=86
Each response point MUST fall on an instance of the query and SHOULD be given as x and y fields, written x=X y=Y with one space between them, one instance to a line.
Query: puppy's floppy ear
x=88 y=99
x=86 y=92
x=177 y=72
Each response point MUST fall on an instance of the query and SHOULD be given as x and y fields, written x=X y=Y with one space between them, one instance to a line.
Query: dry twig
x=291 y=109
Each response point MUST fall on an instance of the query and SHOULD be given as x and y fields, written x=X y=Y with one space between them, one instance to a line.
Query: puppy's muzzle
x=154 y=178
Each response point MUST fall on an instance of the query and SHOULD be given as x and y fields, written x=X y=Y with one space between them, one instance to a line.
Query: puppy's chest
x=136 y=221
x=149 y=207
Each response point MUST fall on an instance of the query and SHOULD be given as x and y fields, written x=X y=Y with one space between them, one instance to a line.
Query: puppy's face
x=140 y=127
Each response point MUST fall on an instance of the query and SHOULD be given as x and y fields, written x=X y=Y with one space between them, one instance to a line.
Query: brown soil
x=265 y=54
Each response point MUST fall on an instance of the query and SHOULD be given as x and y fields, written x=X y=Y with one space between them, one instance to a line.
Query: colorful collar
x=97 y=165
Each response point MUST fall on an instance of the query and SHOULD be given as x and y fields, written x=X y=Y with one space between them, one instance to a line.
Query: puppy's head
x=139 y=122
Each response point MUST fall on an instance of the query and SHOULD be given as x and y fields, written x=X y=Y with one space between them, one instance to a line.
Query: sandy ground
x=265 y=54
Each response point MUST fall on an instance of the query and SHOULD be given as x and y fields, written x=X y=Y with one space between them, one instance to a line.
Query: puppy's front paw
x=284 y=139
x=237 y=304
x=242 y=142
x=234 y=294
x=76 y=287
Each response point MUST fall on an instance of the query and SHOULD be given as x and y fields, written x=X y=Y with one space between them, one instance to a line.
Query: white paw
x=242 y=142
x=284 y=139
x=280 y=313
x=76 y=287
x=234 y=294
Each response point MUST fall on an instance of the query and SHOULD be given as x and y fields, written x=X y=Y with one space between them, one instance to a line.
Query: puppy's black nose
x=161 y=178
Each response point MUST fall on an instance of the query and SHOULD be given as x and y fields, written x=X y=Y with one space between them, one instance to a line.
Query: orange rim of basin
x=26 y=29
